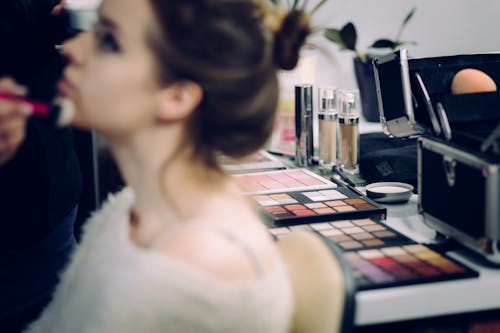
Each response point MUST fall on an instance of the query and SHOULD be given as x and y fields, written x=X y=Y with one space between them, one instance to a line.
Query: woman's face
x=111 y=72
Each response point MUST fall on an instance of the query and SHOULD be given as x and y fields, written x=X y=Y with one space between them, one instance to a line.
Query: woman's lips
x=64 y=87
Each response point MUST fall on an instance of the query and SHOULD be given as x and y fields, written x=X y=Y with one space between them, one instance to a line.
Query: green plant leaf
x=405 y=22
x=318 y=6
x=409 y=16
x=349 y=36
x=384 y=43
x=333 y=35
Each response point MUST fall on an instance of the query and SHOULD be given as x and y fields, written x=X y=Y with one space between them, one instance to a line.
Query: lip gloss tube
x=304 y=149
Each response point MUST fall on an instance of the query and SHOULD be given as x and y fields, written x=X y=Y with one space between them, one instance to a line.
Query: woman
x=172 y=84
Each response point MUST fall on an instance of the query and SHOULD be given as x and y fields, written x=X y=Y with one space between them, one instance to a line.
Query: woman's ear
x=178 y=100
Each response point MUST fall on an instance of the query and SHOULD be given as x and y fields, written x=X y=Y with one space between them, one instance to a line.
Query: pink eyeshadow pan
x=304 y=212
x=295 y=207
x=275 y=209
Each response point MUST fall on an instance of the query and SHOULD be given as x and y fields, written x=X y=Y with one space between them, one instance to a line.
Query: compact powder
x=389 y=192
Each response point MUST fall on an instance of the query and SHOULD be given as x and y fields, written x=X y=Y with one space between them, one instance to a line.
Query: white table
x=428 y=299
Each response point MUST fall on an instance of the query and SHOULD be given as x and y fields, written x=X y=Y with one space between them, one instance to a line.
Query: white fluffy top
x=114 y=286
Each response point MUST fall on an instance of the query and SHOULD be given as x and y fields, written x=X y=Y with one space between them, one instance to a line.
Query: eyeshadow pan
x=355 y=201
x=304 y=212
x=345 y=208
x=275 y=209
x=326 y=210
x=295 y=207
x=362 y=236
x=331 y=232
x=364 y=206
x=315 y=205
x=321 y=226
x=300 y=227
x=363 y=222
x=373 y=242
x=335 y=203
x=342 y=224
x=352 y=230
x=348 y=245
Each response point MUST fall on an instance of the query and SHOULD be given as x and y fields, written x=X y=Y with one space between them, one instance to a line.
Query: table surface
x=428 y=299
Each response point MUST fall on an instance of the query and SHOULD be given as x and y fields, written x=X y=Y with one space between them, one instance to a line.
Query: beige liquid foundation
x=327 y=123
x=348 y=130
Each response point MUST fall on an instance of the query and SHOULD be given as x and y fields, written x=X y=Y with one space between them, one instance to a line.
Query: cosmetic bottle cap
x=327 y=101
x=348 y=103
x=304 y=99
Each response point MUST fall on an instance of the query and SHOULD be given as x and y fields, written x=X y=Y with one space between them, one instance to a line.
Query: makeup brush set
x=453 y=104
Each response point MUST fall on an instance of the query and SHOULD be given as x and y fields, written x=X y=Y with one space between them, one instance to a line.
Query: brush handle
x=39 y=108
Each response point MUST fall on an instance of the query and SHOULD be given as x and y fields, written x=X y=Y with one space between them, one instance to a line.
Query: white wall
x=440 y=27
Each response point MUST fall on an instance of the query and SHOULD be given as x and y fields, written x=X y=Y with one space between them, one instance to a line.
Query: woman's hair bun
x=289 y=39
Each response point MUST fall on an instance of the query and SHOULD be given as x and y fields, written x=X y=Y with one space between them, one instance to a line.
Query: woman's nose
x=73 y=51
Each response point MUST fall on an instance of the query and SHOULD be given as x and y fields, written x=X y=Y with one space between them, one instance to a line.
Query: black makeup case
x=458 y=146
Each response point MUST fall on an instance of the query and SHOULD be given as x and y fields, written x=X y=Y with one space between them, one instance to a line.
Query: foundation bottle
x=327 y=123
x=348 y=108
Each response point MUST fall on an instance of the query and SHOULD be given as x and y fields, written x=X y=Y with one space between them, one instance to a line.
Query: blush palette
x=280 y=181
x=382 y=257
x=260 y=161
x=304 y=206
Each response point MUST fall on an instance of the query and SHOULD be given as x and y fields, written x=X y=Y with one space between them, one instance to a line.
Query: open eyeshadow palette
x=382 y=257
x=281 y=181
x=260 y=161
x=294 y=207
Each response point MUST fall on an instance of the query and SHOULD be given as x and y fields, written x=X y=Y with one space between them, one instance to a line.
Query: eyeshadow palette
x=280 y=181
x=381 y=257
x=316 y=205
x=260 y=161
x=357 y=234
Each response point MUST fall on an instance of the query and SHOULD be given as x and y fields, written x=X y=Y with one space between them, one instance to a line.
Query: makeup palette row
x=381 y=257
x=259 y=161
x=299 y=196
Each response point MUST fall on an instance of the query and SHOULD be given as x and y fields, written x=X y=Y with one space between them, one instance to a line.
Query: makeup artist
x=40 y=181
x=171 y=85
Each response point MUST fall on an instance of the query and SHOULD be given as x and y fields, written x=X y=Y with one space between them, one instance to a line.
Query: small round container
x=389 y=192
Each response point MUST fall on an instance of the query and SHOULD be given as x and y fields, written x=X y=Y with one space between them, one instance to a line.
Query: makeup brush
x=59 y=113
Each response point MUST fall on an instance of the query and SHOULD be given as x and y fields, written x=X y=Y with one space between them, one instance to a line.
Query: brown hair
x=224 y=46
